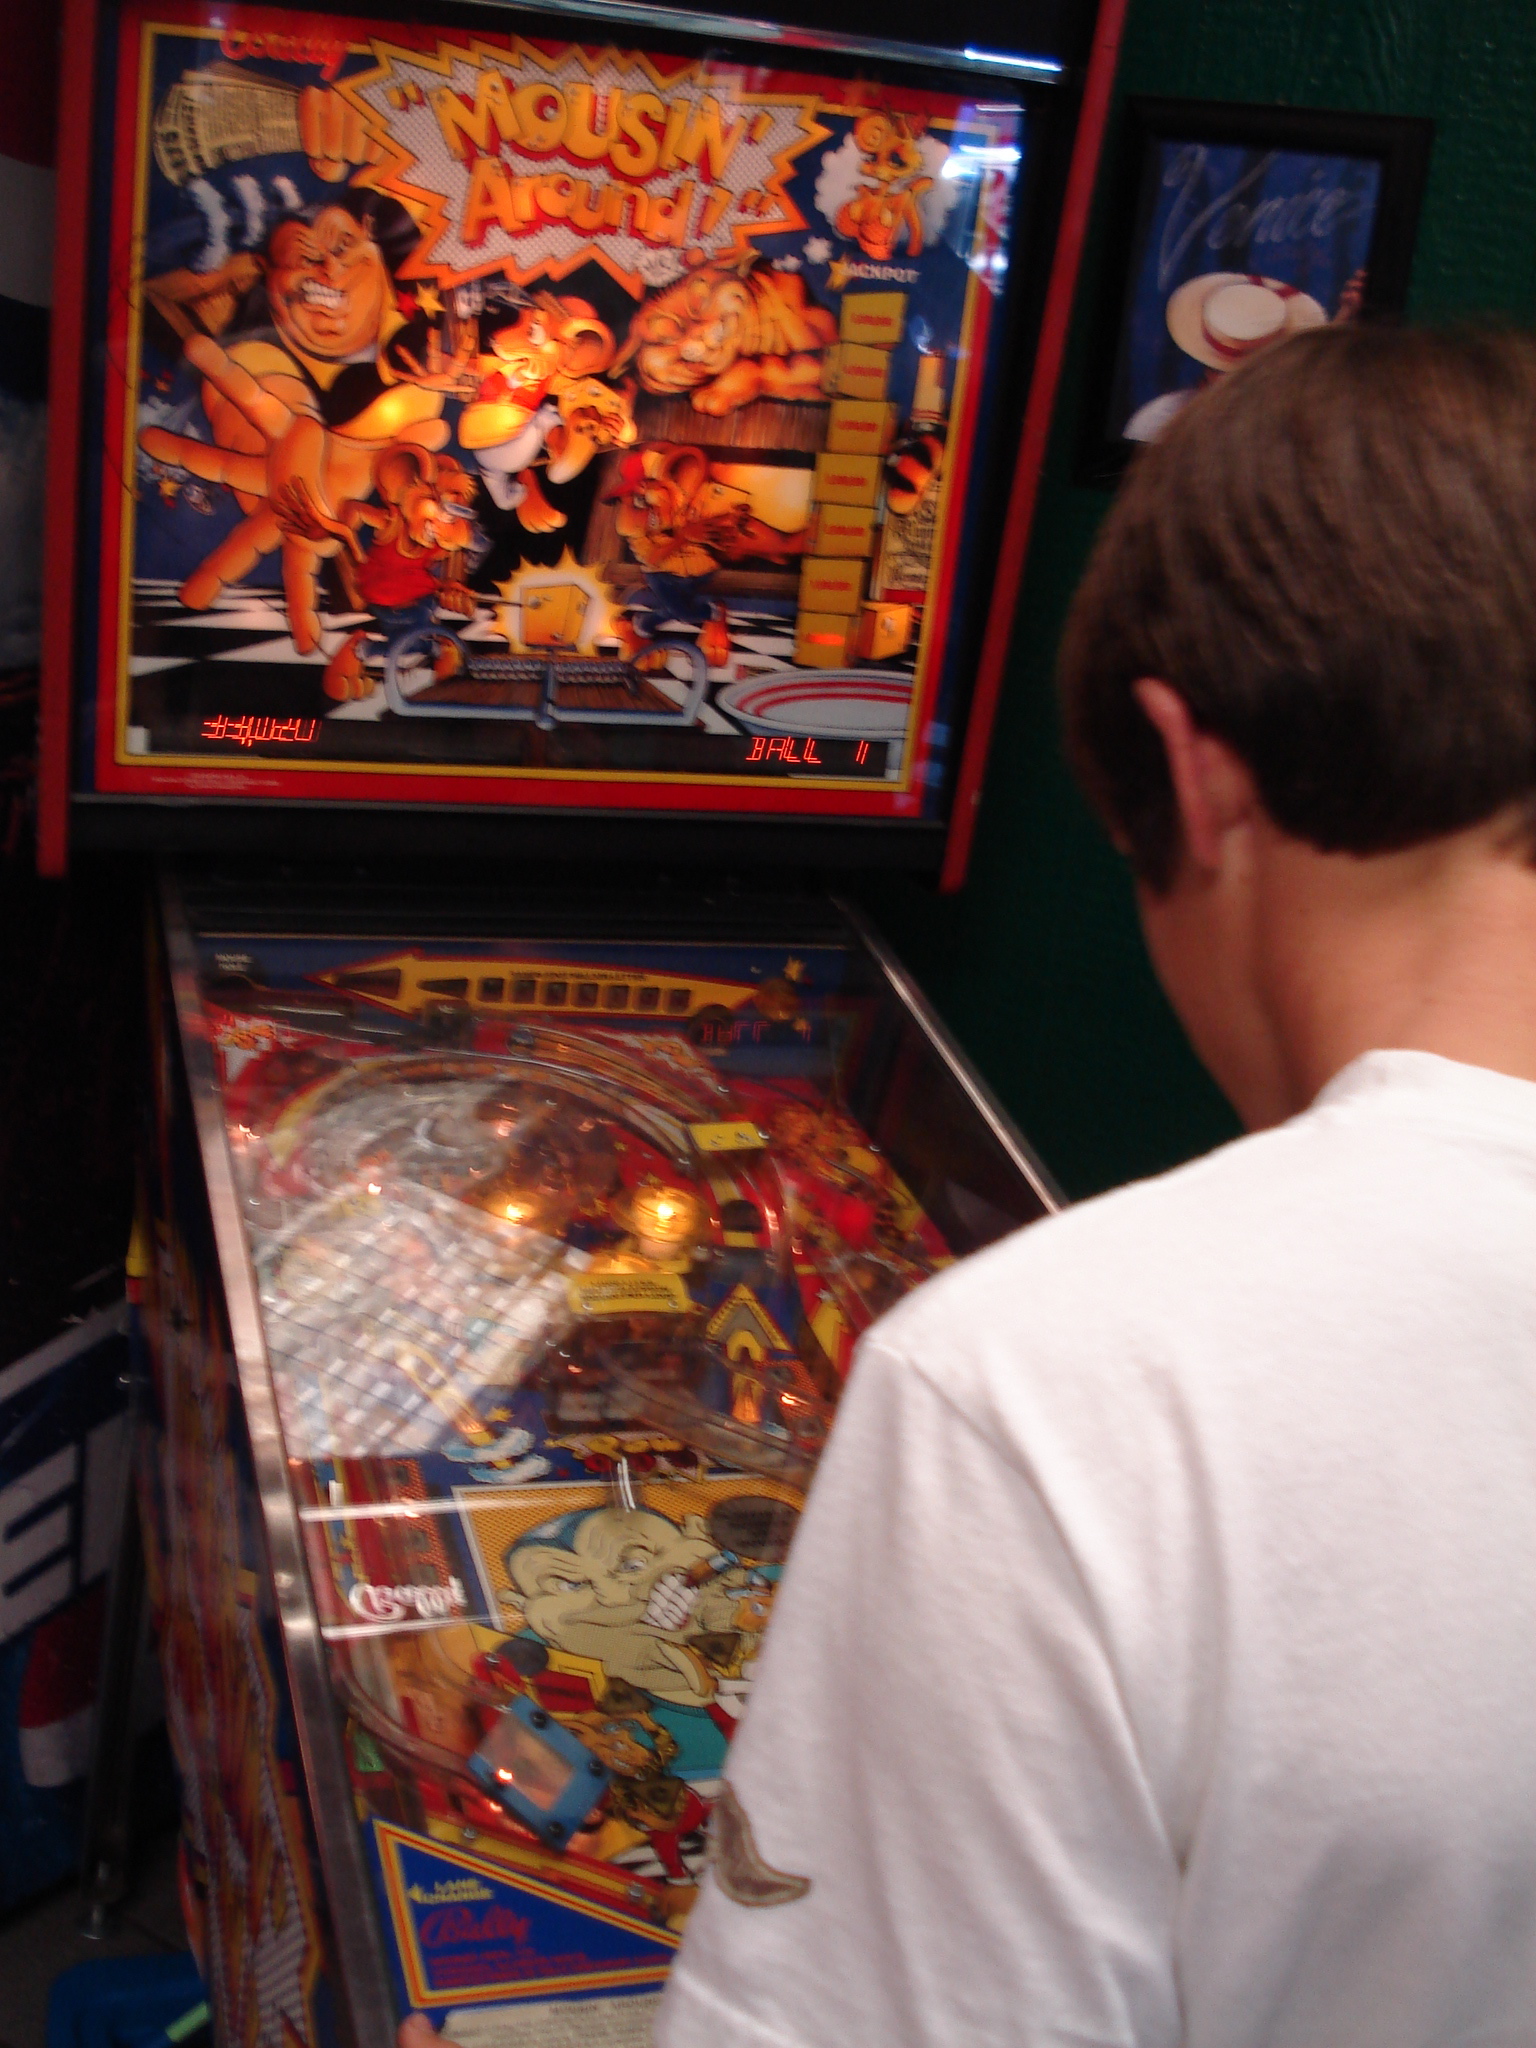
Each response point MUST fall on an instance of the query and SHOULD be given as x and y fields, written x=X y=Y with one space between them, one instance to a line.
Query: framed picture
x=1236 y=227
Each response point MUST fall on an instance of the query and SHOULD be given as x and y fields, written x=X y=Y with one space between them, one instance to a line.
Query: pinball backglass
x=522 y=416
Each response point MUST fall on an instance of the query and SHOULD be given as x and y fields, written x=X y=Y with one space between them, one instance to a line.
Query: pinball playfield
x=559 y=1254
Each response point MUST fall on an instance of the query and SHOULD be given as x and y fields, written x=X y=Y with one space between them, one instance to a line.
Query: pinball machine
x=536 y=497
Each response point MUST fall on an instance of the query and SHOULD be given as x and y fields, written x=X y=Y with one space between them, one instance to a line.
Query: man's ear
x=1213 y=787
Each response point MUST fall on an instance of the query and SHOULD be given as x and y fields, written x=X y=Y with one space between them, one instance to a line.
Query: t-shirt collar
x=1426 y=1083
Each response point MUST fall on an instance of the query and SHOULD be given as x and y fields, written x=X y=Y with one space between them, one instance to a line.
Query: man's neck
x=1431 y=950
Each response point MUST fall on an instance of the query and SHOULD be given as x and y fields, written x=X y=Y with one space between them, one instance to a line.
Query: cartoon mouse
x=681 y=521
x=539 y=396
x=879 y=213
x=410 y=567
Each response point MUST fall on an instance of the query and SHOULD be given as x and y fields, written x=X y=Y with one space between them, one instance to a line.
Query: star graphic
x=428 y=301
x=837 y=274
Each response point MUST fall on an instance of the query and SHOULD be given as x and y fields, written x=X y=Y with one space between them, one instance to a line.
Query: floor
x=40 y=1940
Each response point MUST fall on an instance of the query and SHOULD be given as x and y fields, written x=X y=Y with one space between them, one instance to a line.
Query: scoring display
x=506 y=414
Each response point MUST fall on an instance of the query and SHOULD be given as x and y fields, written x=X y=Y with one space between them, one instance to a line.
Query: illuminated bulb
x=747 y=1402
x=664 y=1220
x=375 y=1187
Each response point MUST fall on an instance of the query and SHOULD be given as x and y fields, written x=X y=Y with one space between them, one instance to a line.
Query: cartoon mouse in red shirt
x=409 y=570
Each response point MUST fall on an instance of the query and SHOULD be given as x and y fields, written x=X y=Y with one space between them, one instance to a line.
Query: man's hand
x=457 y=597
x=293 y=447
x=334 y=134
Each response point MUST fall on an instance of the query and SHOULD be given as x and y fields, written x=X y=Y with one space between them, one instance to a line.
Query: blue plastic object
x=539 y=1771
x=139 y=2002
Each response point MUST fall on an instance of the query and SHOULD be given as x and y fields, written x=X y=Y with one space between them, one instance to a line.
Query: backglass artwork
x=498 y=419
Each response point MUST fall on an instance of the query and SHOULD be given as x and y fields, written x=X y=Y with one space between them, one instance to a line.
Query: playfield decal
x=469 y=1929
x=563 y=1253
x=491 y=419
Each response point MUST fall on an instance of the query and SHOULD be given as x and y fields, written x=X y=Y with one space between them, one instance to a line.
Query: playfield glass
x=561 y=1253
x=492 y=417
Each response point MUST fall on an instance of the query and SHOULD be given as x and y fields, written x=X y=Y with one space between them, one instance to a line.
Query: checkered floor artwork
x=237 y=660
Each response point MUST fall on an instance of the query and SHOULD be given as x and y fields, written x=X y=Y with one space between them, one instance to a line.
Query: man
x=1156 y=1662
x=337 y=375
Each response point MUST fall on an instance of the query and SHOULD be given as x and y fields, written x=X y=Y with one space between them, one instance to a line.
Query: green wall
x=1037 y=965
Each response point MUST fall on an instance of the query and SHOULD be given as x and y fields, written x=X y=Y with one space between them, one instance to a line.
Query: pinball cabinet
x=535 y=496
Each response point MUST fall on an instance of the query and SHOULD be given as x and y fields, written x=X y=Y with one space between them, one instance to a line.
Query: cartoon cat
x=728 y=334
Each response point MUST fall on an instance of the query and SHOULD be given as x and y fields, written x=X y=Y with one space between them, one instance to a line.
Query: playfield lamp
x=664 y=1220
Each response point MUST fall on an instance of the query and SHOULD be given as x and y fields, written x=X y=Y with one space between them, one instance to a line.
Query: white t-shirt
x=1156 y=1663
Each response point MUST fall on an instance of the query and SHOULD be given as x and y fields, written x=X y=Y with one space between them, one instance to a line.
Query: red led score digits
x=793 y=753
x=252 y=732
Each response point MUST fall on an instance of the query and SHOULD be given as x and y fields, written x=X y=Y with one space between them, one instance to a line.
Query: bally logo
x=399 y=1603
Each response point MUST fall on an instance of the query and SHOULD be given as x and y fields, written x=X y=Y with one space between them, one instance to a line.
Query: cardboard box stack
x=837 y=623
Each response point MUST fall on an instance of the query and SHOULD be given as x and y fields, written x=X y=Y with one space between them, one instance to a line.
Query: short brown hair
x=1331 y=556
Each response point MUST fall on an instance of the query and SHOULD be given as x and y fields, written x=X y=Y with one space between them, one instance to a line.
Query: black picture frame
x=1173 y=154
